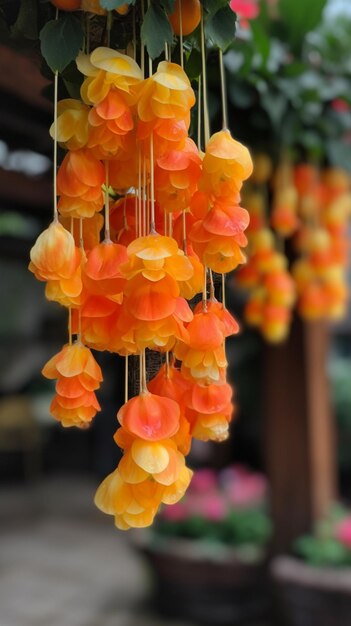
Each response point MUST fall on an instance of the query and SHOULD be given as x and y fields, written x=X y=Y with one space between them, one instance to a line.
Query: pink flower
x=340 y=105
x=175 y=513
x=213 y=508
x=204 y=480
x=343 y=532
x=246 y=9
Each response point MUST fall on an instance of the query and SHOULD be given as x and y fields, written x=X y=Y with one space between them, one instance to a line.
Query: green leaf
x=114 y=4
x=220 y=27
x=26 y=23
x=193 y=64
x=61 y=41
x=156 y=30
x=300 y=17
x=168 y=6
x=261 y=40
x=212 y=6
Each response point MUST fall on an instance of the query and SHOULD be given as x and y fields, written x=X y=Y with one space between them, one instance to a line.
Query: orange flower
x=204 y=357
x=284 y=215
x=167 y=94
x=135 y=505
x=78 y=375
x=72 y=124
x=176 y=175
x=170 y=383
x=110 y=121
x=150 y=417
x=168 y=134
x=54 y=255
x=79 y=182
x=227 y=163
x=210 y=410
x=91 y=227
x=102 y=273
x=219 y=236
x=106 y=69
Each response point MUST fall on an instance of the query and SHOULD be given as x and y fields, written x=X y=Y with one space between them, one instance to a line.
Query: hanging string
x=142 y=52
x=126 y=374
x=134 y=34
x=55 y=138
x=107 y=205
x=145 y=197
x=212 y=290
x=181 y=35
x=223 y=291
x=138 y=226
x=204 y=290
x=204 y=81
x=223 y=90
x=152 y=185
x=167 y=364
x=109 y=20
x=199 y=115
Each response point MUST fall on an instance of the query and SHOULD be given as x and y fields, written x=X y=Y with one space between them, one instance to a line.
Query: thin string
x=181 y=35
x=204 y=81
x=167 y=364
x=142 y=52
x=139 y=231
x=144 y=193
x=134 y=34
x=184 y=231
x=55 y=137
x=70 y=340
x=152 y=184
x=223 y=90
x=199 y=115
x=223 y=291
x=108 y=27
x=204 y=290
x=126 y=378
x=107 y=205
x=212 y=290
x=141 y=372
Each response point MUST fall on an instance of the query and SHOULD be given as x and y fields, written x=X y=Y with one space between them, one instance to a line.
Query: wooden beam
x=18 y=189
x=20 y=75
x=299 y=432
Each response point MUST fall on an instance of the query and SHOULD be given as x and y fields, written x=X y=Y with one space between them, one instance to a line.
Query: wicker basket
x=311 y=596
x=207 y=589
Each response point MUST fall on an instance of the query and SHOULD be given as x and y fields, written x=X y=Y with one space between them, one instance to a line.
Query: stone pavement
x=62 y=562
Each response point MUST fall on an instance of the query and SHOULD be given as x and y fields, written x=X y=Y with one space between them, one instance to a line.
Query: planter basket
x=311 y=596
x=218 y=590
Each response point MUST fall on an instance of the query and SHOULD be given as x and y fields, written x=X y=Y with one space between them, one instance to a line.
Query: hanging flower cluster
x=311 y=209
x=171 y=218
x=320 y=272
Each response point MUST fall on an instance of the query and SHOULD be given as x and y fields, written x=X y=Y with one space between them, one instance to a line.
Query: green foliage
x=26 y=23
x=220 y=27
x=300 y=17
x=156 y=30
x=61 y=40
x=239 y=528
x=114 y=4
x=323 y=552
x=322 y=548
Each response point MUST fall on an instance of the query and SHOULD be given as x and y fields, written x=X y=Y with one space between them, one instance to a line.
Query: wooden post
x=299 y=431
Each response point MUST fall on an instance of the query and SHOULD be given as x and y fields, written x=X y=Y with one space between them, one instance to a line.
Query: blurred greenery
x=284 y=74
x=323 y=548
x=238 y=528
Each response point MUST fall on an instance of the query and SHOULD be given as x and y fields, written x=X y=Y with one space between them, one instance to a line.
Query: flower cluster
x=320 y=272
x=311 y=208
x=171 y=215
